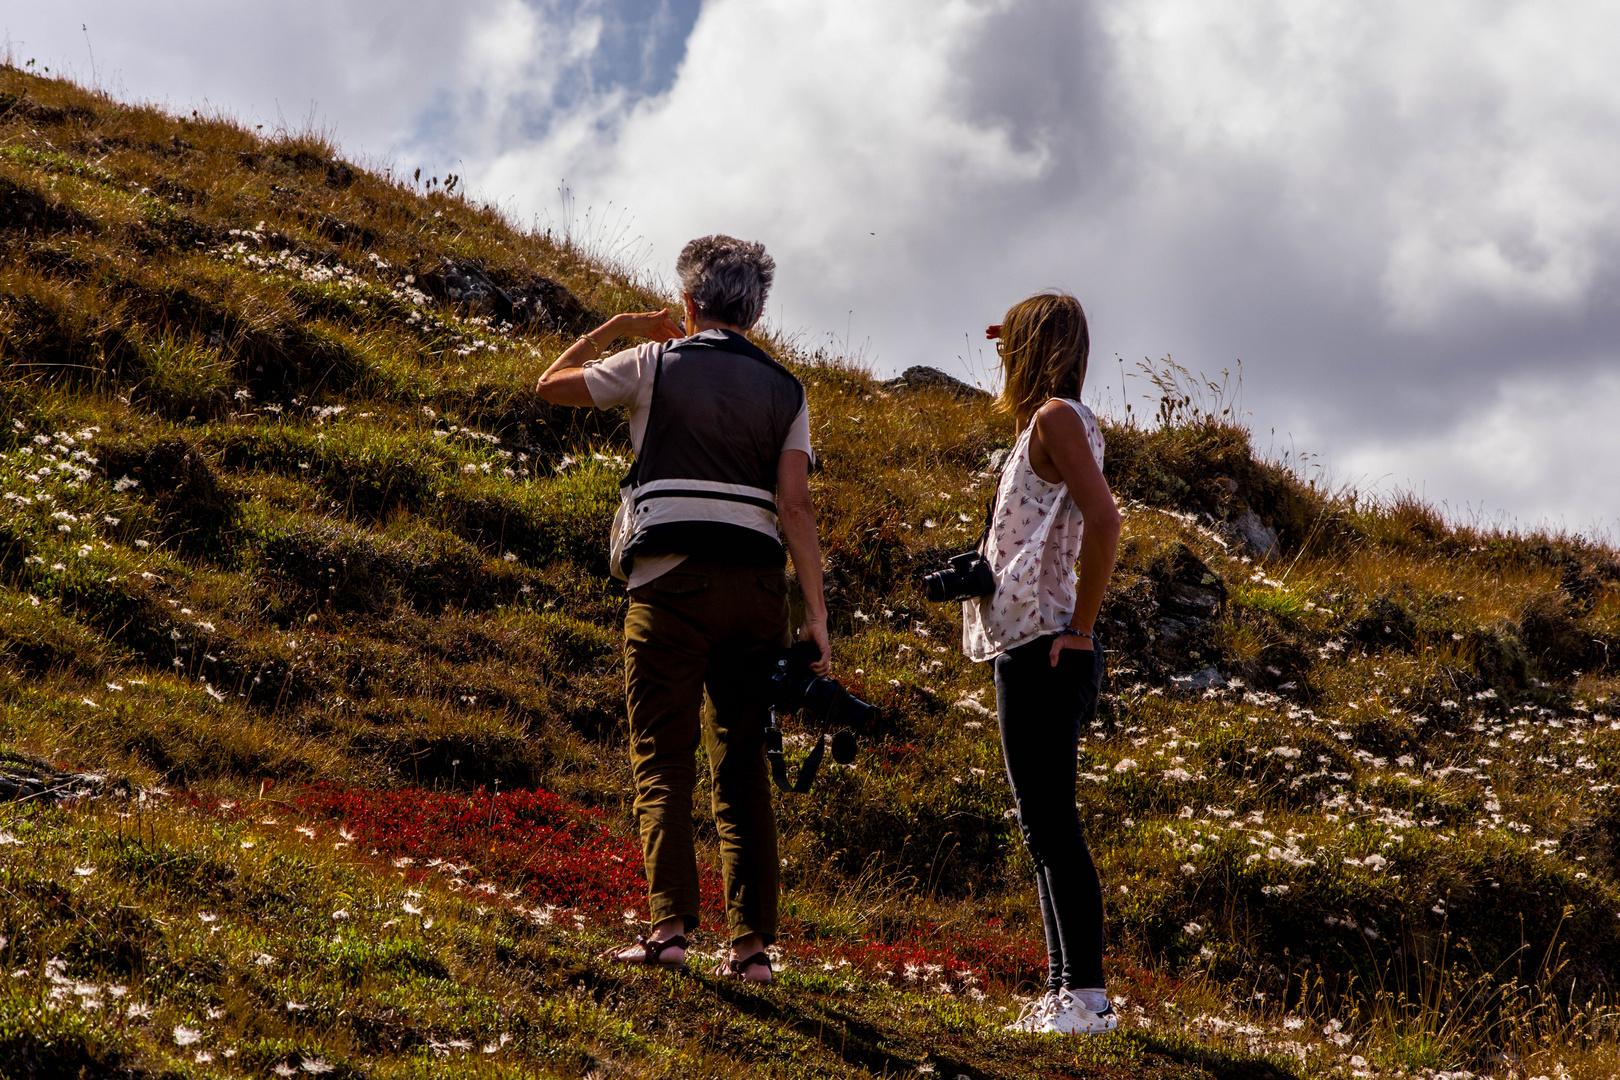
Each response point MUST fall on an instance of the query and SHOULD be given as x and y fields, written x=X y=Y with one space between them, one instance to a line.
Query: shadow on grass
x=903 y=1045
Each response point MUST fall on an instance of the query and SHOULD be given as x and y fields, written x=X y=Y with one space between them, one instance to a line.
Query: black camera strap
x=807 y=771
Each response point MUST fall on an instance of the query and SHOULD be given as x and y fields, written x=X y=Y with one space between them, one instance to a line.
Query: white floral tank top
x=1032 y=548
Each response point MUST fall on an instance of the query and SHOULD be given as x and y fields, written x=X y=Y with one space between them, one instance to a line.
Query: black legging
x=1042 y=709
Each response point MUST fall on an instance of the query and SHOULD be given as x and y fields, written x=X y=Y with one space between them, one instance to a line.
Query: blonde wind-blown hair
x=1044 y=346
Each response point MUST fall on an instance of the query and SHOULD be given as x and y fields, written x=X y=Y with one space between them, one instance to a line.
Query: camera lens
x=860 y=713
x=934 y=586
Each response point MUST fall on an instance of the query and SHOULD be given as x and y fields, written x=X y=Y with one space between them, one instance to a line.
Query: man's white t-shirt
x=626 y=378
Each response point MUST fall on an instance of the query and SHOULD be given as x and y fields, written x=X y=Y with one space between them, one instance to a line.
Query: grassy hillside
x=311 y=730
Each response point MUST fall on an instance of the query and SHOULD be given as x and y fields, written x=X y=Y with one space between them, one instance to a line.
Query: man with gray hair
x=722 y=440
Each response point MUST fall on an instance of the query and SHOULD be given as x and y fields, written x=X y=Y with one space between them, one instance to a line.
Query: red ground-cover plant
x=564 y=855
x=955 y=958
x=556 y=852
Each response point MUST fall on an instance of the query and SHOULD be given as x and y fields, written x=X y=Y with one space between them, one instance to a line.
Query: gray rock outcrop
x=1252 y=535
x=926 y=378
x=1203 y=679
x=535 y=302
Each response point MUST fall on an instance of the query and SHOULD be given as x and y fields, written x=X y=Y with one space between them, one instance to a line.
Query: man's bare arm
x=564 y=381
x=798 y=517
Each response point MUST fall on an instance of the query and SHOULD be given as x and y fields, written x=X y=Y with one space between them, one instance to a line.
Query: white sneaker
x=1037 y=1014
x=1067 y=1016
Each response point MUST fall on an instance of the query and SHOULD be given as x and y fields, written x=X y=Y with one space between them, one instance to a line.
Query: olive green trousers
x=697 y=642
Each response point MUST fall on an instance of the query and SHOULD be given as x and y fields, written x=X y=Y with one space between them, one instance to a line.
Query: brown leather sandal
x=733 y=969
x=652 y=951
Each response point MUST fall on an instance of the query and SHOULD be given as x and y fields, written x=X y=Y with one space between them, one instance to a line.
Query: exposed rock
x=1188 y=586
x=927 y=378
x=1202 y=679
x=466 y=286
x=1251 y=535
x=536 y=302
x=26 y=778
x=1172 y=630
x=545 y=304
x=1188 y=599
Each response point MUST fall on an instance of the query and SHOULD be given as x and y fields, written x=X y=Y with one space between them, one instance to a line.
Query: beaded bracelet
x=1076 y=633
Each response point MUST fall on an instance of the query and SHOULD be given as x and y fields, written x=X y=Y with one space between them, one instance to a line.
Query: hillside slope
x=310 y=695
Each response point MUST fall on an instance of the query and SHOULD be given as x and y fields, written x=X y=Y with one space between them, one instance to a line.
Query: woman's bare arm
x=1063 y=443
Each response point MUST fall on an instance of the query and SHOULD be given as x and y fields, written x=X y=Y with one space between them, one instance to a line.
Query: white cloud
x=1548 y=448
x=803 y=125
x=364 y=69
x=1387 y=210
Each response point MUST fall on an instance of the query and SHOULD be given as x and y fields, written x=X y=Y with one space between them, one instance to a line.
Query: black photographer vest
x=704 y=481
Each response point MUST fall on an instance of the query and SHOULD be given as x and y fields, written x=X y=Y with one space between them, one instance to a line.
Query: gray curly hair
x=727 y=278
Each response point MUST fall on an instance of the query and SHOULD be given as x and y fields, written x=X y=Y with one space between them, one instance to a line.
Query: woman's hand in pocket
x=1069 y=641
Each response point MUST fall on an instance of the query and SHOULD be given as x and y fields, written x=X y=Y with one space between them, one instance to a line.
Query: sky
x=1398 y=221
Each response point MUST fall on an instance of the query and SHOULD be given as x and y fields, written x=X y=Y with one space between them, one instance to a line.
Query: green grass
x=276 y=516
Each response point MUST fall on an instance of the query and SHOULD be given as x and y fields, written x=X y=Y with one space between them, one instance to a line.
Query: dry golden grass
x=377 y=559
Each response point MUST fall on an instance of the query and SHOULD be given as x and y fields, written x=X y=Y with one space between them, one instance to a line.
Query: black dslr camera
x=967 y=576
x=792 y=687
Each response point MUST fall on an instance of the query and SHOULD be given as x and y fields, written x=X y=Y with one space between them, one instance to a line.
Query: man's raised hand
x=654 y=325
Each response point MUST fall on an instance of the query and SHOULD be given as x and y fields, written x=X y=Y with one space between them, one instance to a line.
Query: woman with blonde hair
x=1052 y=510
